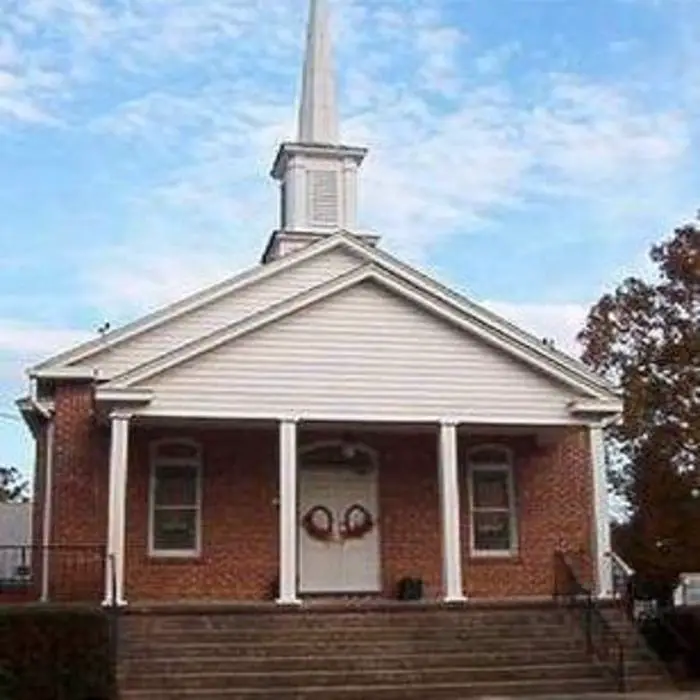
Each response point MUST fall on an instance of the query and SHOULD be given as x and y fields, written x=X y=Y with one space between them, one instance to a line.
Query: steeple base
x=283 y=243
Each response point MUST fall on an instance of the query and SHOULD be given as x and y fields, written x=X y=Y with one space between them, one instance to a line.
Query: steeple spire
x=318 y=114
x=317 y=174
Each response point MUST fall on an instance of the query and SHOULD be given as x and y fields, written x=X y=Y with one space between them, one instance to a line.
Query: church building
x=330 y=423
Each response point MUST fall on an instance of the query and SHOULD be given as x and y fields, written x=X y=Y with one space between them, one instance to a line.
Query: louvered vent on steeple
x=324 y=202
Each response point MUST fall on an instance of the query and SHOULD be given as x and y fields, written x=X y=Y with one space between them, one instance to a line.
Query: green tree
x=645 y=336
x=13 y=488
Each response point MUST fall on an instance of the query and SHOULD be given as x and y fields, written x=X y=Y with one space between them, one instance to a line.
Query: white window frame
x=156 y=461
x=504 y=466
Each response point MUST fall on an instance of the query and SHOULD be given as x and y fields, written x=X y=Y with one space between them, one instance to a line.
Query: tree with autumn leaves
x=645 y=337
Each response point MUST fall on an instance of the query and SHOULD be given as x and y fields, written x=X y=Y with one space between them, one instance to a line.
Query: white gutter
x=596 y=407
x=124 y=395
x=65 y=373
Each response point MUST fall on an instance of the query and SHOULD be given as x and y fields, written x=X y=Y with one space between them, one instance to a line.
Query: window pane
x=492 y=532
x=176 y=486
x=179 y=450
x=489 y=455
x=491 y=489
x=175 y=530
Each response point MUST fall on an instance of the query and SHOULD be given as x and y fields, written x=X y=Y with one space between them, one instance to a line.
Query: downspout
x=46 y=520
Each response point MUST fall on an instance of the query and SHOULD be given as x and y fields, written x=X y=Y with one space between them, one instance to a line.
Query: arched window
x=175 y=498
x=492 y=501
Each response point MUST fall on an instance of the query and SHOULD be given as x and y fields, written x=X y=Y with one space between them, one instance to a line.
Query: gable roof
x=138 y=376
x=497 y=330
x=187 y=305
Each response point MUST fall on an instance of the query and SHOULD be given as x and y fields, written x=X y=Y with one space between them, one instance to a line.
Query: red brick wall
x=80 y=469
x=553 y=493
x=240 y=542
x=79 y=495
x=240 y=537
x=409 y=504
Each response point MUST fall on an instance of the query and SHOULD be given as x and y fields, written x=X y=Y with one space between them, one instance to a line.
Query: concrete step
x=366 y=677
x=292 y=635
x=385 y=691
x=315 y=645
x=312 y=620
x=430 y=653
x=346 y=662
x=357 y=647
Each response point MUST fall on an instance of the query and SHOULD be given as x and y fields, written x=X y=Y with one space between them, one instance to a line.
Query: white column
x=449 y=501
x=296 y=196
x=289 y=216
x=288 y=513
x=601 y=513
x=116 y=525
x=349 y=198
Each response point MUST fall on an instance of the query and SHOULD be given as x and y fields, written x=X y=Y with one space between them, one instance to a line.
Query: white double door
x=338 y=565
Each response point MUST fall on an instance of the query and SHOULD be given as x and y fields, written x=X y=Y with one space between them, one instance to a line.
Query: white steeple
x=317 y=175
x=318 y=114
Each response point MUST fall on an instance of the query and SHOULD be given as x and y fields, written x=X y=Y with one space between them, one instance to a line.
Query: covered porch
x=284 y=510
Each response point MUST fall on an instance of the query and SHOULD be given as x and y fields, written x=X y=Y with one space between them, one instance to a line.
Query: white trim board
x=480 y=419
x=323 y=291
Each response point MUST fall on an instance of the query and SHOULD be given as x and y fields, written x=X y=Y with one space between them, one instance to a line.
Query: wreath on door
x=318 y=523
x=357 y=522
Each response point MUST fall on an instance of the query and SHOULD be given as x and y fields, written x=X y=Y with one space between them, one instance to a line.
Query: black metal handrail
x=624 y=595
x=602 y=642
x=622 y=585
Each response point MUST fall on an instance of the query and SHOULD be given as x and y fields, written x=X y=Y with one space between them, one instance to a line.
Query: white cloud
x=558 y=322
x=152 y=278
x=22 y=344
x=18 y=338
x=593 y=133
x=437 y=168
x=21 y=110
x=445 y=166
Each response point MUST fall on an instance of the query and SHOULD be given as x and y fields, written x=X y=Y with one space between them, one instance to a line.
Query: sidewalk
x=663 y=695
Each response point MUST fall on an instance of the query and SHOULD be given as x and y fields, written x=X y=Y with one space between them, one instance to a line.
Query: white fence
x=15 y=531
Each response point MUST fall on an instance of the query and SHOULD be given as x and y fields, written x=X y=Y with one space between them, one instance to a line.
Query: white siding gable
x=226 y=310
x=363 y=352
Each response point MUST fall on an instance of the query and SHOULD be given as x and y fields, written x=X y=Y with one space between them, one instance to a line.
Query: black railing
x=56 y=573
x=602 y=643
x=16 y=568
x=654 y=620
x=622 y=585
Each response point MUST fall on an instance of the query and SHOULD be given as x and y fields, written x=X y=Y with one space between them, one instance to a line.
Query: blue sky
x=526 y=151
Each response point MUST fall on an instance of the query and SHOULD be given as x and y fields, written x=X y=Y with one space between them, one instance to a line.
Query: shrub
x=50 y=653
